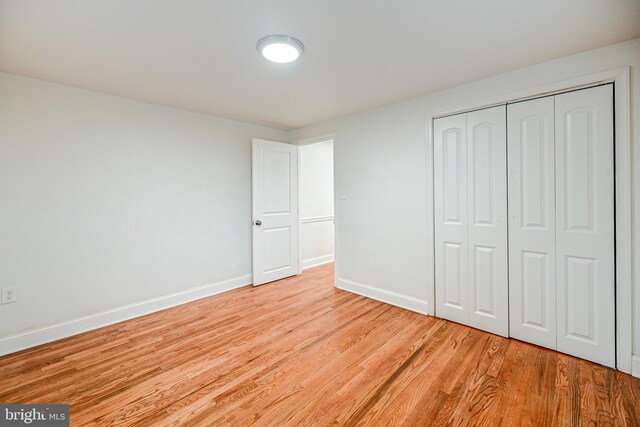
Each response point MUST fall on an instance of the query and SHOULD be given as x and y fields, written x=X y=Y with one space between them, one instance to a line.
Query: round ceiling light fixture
x=280 y=48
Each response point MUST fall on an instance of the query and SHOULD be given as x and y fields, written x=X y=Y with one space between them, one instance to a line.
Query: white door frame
x=301 y=221
x=316 y=140
x=623 y=191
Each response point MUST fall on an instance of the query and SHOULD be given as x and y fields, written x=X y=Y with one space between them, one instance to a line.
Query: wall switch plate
x=9 y=295
x=343 y=194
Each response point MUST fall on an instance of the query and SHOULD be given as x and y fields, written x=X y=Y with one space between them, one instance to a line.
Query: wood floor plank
x=301 y=352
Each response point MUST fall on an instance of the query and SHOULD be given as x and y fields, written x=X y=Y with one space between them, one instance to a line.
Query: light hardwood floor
x=300 y=352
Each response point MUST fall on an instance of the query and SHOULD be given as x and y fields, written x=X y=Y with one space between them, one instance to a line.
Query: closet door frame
x=625 y=360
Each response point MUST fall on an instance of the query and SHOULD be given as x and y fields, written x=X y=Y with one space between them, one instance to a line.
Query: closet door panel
x=487 y=220
x=450 y=191
x=532 y=227
x=585 y=224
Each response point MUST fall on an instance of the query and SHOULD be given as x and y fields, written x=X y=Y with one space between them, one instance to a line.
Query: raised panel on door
x=487 y=220
x=277 y=249
x=276 y=186
x=585 y=224
x=532 y=227
x=450 y=191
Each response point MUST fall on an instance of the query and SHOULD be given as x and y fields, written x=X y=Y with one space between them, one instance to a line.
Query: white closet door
x=585 y=224
x=450 y=191
x=532 y=226
x=487 y=220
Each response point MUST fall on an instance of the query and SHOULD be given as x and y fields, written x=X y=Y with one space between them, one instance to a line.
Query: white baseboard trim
x=635 y=366
x=47 y=334
x=389 y=297
x=315 y=262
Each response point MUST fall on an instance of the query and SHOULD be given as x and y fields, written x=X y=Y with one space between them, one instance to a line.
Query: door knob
x=258 y=223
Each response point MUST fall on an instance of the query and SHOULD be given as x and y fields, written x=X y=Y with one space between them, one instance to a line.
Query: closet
x=524 y=221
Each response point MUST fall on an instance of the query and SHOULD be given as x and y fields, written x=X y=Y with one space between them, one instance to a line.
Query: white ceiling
x=200 y=54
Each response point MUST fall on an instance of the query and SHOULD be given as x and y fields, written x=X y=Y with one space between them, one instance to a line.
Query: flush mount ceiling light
x=280 y=48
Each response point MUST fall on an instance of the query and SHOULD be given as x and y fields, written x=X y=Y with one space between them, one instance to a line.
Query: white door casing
x=450 y=193
x=275 y=210
x=585 y=239
x=487 y=220
x=532 y=228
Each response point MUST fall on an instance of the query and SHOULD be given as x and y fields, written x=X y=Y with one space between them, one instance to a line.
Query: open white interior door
x=275 y=210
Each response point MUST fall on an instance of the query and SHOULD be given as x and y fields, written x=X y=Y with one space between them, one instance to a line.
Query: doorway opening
x=316 y=204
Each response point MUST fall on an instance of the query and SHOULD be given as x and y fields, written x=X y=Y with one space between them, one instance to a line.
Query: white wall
x=380 y=160
x=106 y=202
x=316 y=203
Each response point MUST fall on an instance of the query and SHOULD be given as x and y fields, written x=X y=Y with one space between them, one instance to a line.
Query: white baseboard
x=635 y=366
x=389 y=297
x=47 y=334
x=315 y=262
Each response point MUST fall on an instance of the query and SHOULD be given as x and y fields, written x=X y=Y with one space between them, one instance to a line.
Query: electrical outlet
x=9 y=295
